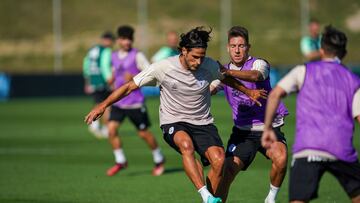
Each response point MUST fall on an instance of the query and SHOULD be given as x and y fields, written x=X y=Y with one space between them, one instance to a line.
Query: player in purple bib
x=126 y=63
x=245 y=140
x=327 y=103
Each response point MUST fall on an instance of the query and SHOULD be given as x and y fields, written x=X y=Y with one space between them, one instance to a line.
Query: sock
x=205 y=194
x=273 y=192
x=95 y=125
x=104 y=131
x=158 y=157
x=119 y=156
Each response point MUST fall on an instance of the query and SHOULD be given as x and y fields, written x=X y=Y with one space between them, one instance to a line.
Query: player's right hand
x=94 y=114
x=88 y=89
x=268 y=138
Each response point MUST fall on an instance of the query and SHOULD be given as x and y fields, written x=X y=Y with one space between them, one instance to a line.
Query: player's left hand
x=94 y=114
x=222 y=69
x=268 y=137
x=255 y=95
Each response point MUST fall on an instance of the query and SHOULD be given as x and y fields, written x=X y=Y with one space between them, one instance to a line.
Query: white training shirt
x=184 y=94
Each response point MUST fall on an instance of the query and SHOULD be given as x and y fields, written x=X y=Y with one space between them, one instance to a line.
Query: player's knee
x=218 y=161
x=186 y=147
x=112 y=132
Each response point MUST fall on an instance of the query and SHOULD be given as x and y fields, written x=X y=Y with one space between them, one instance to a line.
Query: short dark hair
x=238 y=31
x=108 y=35
x=126 y=31
x=195 y=38
x=334 y=42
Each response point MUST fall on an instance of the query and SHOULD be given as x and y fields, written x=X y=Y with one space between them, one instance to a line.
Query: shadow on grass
x=166 y=172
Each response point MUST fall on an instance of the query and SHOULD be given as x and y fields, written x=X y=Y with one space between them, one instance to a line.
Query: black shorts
x=305 y=177
x=100 y=95
x=138 y=116
x=244 y=144
x=202 y=136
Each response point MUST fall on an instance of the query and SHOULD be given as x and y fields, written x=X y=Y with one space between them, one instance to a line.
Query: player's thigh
x=304 y=179
x=207 y=143
x=184 y=142
x=180 y=130
x=117 y=114
x=348 y=174
x=278 y=150
x=242 y=146
x=215 y=154
x=139 y=117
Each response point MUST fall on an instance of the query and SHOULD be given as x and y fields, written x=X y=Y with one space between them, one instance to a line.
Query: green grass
x=48 y=155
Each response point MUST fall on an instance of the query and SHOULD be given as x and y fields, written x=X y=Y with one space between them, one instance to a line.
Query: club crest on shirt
x=201 y=83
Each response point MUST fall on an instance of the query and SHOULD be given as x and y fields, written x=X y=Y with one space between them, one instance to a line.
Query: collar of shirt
x=122 y=54
x=234 y=67
x=335 y=59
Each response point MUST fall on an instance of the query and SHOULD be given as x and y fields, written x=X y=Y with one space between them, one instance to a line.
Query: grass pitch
x=48 y=155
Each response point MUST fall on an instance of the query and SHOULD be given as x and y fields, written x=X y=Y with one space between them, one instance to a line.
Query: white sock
x=157 y=155
x=95 y=125
x=205 y=194
x=119 y=156
x=104 y=131
x=273 y=192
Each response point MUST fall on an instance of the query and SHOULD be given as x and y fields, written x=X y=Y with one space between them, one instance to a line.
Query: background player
x=327 y=103
x=97 y=75
x=127 y=62
x=170 y=49
x=310 y=44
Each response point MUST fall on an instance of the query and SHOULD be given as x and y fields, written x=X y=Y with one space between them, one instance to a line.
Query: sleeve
x=142 y=61
x=305 y=46
x=86 y=71
x=105 y=66
x=263 y=67
x=356 y=104
x=293 y=81
x=149 y=77
x=214 y=68
x=217 y=85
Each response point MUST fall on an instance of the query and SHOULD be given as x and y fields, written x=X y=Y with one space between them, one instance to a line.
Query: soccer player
x=245 y=140
x=327 y=103
x=126 y=63
x=310 y=44
x=185 y=107
x=97 y=75
x=169 y=50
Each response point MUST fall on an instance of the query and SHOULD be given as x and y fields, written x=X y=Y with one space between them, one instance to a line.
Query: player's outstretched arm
x=118 y=94
x=272 y=104
x=254 y=95
x=246 y=75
